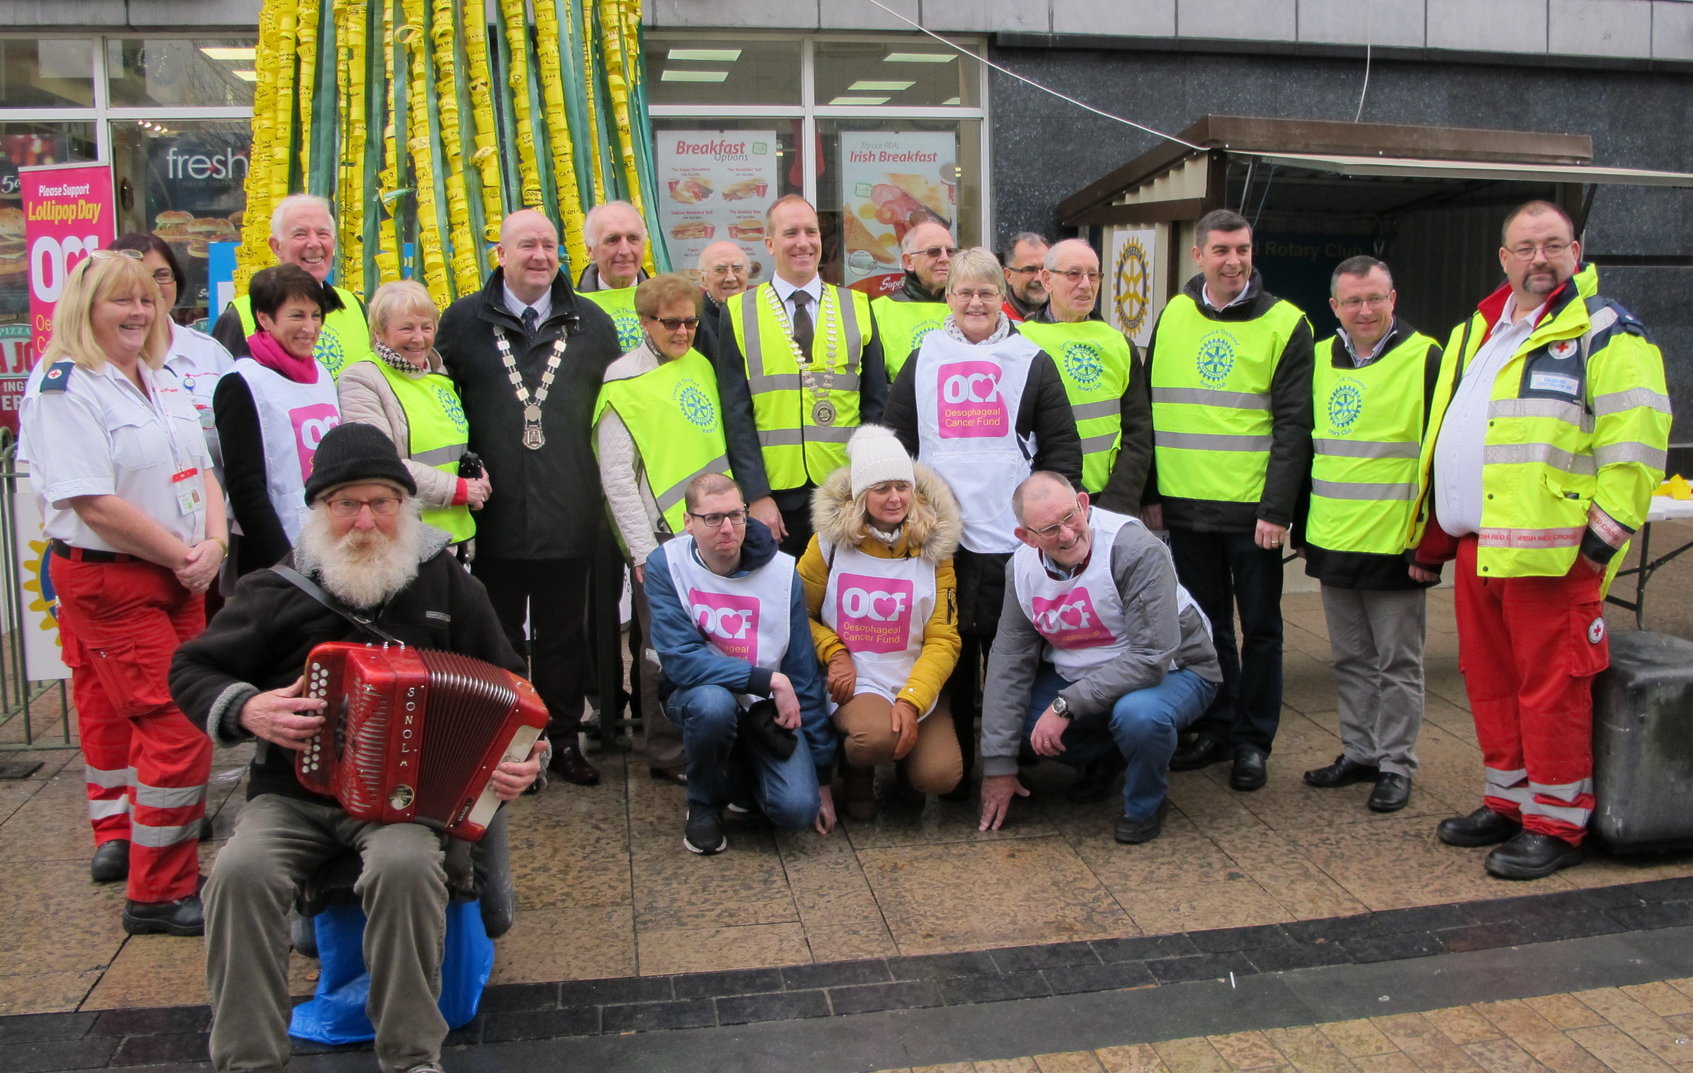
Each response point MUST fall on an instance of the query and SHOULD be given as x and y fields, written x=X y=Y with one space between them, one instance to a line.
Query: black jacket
x=546 y=503
x=705 y=340
x=260 y=639
x=1290 y=430
x=1356 y=569
x=914 y=291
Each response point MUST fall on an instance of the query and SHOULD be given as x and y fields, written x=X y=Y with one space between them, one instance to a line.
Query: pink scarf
x=268 y=352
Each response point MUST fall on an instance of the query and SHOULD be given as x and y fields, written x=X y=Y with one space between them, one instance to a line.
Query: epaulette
x=58 y=376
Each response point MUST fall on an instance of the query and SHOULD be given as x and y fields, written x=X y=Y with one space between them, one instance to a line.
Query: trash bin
x=1643 y=744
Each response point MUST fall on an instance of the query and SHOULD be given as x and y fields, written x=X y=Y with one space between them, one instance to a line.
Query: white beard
x=362 y=569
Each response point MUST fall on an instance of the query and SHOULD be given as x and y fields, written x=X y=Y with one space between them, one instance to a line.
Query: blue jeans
x=786 y=790
x=1142 y=725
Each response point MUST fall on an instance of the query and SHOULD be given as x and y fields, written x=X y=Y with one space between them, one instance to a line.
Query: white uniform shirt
x=101 y=436
x=1463 y=431
x=199 y=362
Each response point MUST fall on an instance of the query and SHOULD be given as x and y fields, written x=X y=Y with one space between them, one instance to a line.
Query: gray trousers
x=278 y=842
x=1377 y=639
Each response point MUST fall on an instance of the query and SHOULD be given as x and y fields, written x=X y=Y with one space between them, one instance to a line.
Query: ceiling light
x=246 y=76
x=693 y=76
x=880 y=87
x=850 y=102
x=918 y=57
x=950 y=100
x=709 y=55
x=218 y=52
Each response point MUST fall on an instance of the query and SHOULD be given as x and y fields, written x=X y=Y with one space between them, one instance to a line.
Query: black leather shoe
x=111 y=861
x=1132 y=832
x=1202 y=751
x=1251 y=769
x=1392 y=792
x=1096 y=779
x=675 y=775
x=571 y=766
x=185 y=916
x=1483 y=827
x=1532 y=855
x=1343 y=772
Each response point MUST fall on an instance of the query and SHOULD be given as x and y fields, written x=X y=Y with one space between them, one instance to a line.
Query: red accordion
x=413 y=736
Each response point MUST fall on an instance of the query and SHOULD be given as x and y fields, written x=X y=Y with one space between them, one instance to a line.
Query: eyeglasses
x=1552 y=250
x=1077 y=275
x=162 y=276
x=107 y=255
x=1072 y=520
x=1026 y=270
x=1352 y=305
x=673 y=323
x=971 y=296
x=728 y=270
x=935 y=251
x=381 y=506
x=715 y=519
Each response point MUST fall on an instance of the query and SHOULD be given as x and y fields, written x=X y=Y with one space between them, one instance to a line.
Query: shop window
x=46 y=73
x=697 y=71
x=894 y=74
x=178 y=72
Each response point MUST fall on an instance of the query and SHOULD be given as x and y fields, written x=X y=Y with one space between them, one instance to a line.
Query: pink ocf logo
x=729 y=622
x=970 y=403
x=872 y=614
x=310 y=424
x=1069 y=621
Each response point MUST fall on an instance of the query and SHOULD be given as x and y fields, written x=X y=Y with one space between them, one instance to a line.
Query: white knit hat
x=877 y=456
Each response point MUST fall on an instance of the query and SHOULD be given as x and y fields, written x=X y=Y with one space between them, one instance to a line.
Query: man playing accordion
x=371 y=559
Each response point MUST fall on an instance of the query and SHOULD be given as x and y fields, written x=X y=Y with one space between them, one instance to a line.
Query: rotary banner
x=390 y=110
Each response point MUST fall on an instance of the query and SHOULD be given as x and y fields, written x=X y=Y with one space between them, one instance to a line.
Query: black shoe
x=676 y=775
x=1202 y=751
x=1392 y=792
x=571 y=766
x=1343 y=772
x=1483 y=827
x=1532 y=855
x=185 y=916
x=111 y=861
x=704 y=832
x=1094 y=784
x=1250 y=769
x=1132 y=832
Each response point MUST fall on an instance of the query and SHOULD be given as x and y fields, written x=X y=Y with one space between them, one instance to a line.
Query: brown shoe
x=571 y=766
x=858 y=792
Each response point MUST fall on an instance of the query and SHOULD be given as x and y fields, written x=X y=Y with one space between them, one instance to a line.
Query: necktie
x=530 y=319
x=802 y=321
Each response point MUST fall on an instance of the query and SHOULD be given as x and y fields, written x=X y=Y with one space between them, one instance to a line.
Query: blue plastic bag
x=336 y=1013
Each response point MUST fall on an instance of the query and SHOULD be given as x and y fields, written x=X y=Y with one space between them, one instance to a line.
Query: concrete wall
x=1631 y=30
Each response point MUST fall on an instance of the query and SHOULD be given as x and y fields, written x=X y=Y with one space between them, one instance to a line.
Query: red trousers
x=1529 y=648
x=146 y=765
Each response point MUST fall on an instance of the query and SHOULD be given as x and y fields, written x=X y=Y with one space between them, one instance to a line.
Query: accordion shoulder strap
x=315 y=591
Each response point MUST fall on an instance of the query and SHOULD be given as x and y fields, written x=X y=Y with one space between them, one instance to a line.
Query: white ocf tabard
x=879 y=608
x=967 y=401
x=744 y=617
x=292 y=419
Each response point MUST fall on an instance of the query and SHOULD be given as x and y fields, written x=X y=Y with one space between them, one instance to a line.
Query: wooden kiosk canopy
x=1428 y=200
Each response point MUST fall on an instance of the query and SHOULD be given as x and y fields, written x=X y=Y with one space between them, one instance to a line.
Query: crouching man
x=730 y=627
x=1100 y=661
x=371 y=557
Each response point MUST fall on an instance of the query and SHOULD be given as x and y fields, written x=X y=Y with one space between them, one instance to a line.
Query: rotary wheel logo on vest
x=628 y=329
x=694 y=404
x=1081 y=361
x=329 y=352
x=454 y=409
x=1216 y=357
x=1134 y=287
x=1346 y=403
x=921 y=331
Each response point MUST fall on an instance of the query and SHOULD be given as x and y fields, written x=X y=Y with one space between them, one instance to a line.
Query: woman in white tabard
x=880 y=590
x=271 y=411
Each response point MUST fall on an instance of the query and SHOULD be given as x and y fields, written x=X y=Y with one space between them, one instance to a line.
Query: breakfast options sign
x=890 y=183
x=715 y=185
x=68 y=214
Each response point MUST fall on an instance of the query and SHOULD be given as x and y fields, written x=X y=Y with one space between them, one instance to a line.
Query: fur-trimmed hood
x=933 y=525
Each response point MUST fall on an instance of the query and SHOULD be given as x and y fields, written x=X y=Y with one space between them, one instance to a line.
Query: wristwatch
x=1061 y=708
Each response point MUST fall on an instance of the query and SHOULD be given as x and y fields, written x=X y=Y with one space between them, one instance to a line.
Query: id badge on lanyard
x=190 y=490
